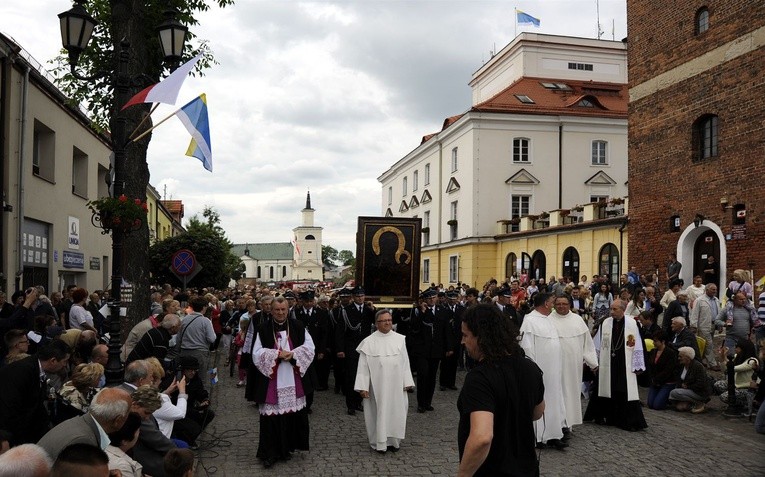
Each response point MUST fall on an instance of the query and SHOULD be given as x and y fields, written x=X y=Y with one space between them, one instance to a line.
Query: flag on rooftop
x=194 y=116
x=525 y=19
x=166 y=91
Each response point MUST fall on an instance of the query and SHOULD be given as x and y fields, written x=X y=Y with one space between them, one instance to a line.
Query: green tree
x=329 y=256
x=207 y=240
x=134 y=21
x=346 y=258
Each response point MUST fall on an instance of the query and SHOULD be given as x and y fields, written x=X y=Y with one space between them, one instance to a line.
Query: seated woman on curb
x=744 y=362
x=662 y=364
x=693 y=391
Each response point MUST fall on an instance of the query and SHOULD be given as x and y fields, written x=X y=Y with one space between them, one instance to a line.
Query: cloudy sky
x=320 y=95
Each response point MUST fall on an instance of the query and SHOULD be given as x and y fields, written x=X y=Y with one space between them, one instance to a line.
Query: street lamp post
x=76 y=29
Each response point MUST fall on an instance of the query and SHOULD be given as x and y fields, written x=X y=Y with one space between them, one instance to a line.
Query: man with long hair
x=501 y=398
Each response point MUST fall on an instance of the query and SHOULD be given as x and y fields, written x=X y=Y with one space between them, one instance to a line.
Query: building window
x=454 y=160
x=705 y=135
x=453 y=221
x=284 y=271
x=598 y=198
x=599 y=153
x=511 y=265
x=571 y=263
x=454 y=270
x=524 y=99
x=259 y=275
x=521 y=149
x=426 y=227
x=403 y=184
x=426 y=270
x=608 y=261
x=44 y=152
x=580 y=66
x=427 y=174
x=519 y=207
x=702 y=20
x=271 y=272
x=390 y=195
x=79 y=173
x=415 y=180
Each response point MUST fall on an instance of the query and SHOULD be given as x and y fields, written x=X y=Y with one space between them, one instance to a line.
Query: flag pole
x=153 y=108
x=155 y=126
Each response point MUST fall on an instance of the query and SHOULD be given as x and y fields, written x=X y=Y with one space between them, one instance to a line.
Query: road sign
x=183 y=262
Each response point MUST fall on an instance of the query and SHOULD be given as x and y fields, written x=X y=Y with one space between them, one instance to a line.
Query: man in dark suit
x=336 y=316
x=431 y=341
x=678 y=307
x=108 y=410
x=448 y=377
x=504 y=296
x=682 y=336
x=25 y=391
x=355 y=324
x=316 y=321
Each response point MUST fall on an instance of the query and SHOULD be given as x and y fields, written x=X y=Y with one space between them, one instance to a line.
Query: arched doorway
x=511 y=265
x=538 y=265
x=707 y=244
x=571 y=264
x=608 y=262
x=689 y=251
x=526 y=264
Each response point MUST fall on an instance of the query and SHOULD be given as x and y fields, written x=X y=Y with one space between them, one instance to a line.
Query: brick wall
x=661 y=33
x=664 y=178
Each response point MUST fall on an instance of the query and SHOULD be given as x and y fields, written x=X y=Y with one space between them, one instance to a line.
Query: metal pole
x=114 y=368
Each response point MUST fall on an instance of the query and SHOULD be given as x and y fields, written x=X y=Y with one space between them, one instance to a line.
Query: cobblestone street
x=677 y=444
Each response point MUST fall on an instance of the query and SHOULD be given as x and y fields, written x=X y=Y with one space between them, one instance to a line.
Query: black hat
x=504 y=291
x=429 y=293
x=441 y=294
x=189 y=362
x=344 y=292
x=289 y=294
x=452 y=294
x=307 y=295
x=358 y=291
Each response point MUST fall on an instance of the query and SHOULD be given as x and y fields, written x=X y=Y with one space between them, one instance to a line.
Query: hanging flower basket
x=117 y=213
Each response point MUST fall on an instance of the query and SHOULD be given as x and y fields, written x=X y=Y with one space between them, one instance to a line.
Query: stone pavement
x=676 y=444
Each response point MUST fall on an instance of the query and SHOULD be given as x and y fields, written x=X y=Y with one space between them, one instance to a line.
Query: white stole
x=632 y=344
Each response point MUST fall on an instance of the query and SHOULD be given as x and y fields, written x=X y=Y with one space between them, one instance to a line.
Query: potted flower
x=543 y=216
x=118 y=213
x=451 y=222
x=515 y=221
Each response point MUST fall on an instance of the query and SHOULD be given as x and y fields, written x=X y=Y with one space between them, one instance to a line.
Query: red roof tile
x=609 y=99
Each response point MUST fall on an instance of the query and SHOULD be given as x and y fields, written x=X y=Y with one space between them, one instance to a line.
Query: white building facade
x=547 y=130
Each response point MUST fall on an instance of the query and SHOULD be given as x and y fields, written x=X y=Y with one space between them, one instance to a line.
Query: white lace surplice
x=265 y=360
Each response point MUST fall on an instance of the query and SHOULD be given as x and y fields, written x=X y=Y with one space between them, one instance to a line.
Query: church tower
x=307 y=250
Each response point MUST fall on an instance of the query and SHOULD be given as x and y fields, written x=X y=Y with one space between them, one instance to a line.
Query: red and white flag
x=295 y=244
x=166 y=91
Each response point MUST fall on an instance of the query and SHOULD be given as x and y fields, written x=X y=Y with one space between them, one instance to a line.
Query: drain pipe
x=621 y=244
x=24 y=90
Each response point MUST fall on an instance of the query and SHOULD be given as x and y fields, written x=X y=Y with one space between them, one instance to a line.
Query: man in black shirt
x=501 y=397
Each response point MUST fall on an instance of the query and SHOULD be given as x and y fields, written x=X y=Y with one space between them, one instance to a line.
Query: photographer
x=198 y=398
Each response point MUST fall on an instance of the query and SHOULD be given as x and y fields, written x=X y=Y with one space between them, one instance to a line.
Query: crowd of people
x=557 y=340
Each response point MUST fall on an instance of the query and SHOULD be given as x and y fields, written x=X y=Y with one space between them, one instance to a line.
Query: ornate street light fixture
x=76 y=29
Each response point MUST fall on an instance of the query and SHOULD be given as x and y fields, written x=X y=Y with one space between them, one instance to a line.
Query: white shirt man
x=540 y=341
x=577 y=347
x=702 y=316
x=383 y=377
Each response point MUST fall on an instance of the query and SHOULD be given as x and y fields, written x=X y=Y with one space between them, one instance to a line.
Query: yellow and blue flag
x=526 y=19
x=194 y=116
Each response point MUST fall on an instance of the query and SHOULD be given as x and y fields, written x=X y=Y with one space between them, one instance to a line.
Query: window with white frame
x=425 y=270
x=521 y=149
x=427 y=174
x=453 y=221
x=403 y=185
x=415 y=180
x=599 y=153
x=519 y=207
x=390 y=195
x=454 y=159
x=454 y=269
x=43 y=151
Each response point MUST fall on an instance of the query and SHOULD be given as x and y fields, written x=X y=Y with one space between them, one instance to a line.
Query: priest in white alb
x=577 y=348
x=383 y=378
x=540 y=342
